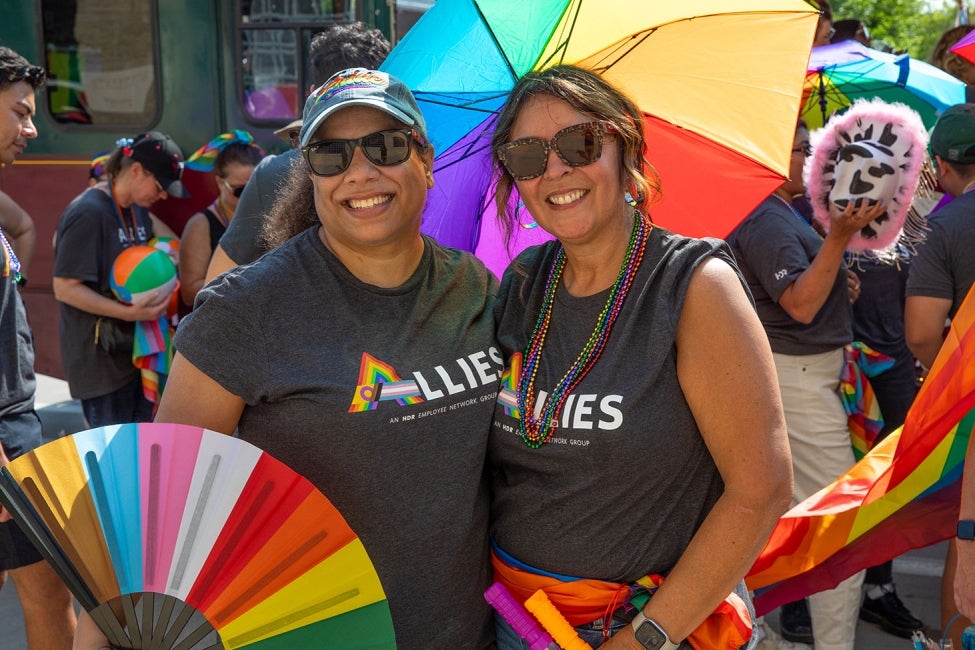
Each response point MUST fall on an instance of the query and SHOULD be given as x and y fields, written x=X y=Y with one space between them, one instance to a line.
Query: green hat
x=953 y=137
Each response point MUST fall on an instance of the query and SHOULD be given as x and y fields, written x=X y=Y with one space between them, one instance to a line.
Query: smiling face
x=16 y=120
x=369 y=205
x=572 y=203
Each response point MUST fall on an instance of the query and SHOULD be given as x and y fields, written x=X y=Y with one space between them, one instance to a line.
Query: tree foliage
x=912 y=26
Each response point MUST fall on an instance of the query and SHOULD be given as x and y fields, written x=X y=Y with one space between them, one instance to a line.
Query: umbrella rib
x=497 y=44
x=467 y=107
x=575 y=7
x=627 y=45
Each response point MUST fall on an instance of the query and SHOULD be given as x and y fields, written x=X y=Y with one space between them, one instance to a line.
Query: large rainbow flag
x=903 y=494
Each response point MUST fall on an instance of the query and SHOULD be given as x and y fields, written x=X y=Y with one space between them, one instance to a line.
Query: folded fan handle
x=16 y=501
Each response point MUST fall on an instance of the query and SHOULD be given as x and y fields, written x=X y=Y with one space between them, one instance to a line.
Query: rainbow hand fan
x=174 y=536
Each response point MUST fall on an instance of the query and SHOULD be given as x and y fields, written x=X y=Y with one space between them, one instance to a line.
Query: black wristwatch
x=650 y=635
x=966 y=530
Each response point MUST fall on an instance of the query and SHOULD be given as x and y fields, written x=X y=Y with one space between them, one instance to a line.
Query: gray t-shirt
x=944 y=266
x=382 y=398
x=242 y=241
x=89 y=238
x=773 y=247
x=626 y=479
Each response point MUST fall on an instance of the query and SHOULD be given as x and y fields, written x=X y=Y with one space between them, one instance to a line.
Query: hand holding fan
x=173 y=536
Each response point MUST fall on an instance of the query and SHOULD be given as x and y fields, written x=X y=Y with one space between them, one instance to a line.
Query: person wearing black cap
x=941 y=275
x=95 y=227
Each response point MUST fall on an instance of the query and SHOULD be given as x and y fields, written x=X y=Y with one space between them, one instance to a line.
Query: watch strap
x=966 y=530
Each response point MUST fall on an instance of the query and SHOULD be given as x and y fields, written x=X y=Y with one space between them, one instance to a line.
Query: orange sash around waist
x=583 y=601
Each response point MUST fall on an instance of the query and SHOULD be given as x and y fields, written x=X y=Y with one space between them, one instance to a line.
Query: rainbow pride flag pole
x=904 y=494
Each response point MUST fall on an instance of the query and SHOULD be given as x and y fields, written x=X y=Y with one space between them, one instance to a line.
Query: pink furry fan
x=872 y=152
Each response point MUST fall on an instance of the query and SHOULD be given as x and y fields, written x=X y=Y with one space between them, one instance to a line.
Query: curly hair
x=14 y=68
x=353 y=45
x=294 y=210
x=586 y=92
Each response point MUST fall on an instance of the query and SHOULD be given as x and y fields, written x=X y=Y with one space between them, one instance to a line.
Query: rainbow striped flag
x=904 y=494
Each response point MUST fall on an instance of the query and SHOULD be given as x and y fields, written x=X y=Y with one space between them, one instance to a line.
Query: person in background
x=337 y=48
x=957 y=66
x=941 y=275
x=878 y=321
x=232 y=157
x=824 y=31
x=47 y=605
x=803 y=294
x=95 y=227
x=850 y=29
x=637 y=375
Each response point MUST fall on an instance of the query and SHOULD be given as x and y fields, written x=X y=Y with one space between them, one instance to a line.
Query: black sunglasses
x=383 y=148
x=576 y=146
x=805 y=149
x=236 y=191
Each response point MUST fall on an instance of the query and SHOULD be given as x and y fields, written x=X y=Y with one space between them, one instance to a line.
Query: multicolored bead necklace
x=221 y=214
x=537 y=431
x=10 y=263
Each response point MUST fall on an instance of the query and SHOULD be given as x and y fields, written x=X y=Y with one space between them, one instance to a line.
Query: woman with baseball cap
x=97 y=225
x=362 y=354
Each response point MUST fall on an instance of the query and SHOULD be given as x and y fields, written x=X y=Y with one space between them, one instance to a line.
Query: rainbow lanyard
x=130 y=233
x=10 y=261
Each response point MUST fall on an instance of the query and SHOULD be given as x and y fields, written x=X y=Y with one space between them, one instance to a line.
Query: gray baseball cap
x=360 y=87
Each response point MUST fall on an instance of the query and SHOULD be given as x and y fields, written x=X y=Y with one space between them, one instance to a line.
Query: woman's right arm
x=74 y=292
x=192 y=397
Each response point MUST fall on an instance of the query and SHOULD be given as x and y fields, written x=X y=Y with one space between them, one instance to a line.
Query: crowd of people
x=591 y=423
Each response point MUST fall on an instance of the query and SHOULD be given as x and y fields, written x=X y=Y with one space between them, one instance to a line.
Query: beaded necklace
x=10 y=263
x=537 y=431
x=220 y=213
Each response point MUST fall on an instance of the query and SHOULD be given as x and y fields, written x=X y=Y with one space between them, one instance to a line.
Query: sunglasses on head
x=32 y=74
x=383 y=148
x=576 y=146
x=236 y=191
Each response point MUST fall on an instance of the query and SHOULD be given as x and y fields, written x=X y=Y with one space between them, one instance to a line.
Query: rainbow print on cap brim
x=358 y=79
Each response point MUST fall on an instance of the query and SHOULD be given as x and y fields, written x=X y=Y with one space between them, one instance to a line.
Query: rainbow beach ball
x=139 y=270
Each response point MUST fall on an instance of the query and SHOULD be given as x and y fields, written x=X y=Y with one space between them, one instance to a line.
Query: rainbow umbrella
x=719 y=82
x=173 y=536
x=841 y=73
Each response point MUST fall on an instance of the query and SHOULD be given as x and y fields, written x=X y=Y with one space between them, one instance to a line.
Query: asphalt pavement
x=917 y=573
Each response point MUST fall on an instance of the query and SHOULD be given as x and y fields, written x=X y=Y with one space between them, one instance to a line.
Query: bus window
x=100 y=62
x=274 y=38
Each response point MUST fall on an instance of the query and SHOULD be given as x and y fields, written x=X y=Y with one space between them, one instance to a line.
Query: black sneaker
x=795 y=623
x=890 y=614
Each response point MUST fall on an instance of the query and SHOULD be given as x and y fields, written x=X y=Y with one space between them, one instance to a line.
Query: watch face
x=650 y=635
x=966 y=529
